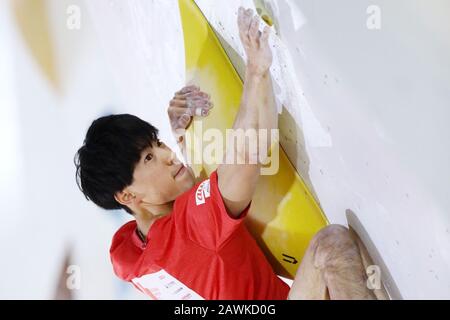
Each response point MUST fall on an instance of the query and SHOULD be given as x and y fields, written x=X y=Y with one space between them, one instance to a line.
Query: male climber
x=187 y=240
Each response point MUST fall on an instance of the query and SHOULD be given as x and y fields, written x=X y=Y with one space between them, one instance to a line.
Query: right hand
x=256 y=44
x=187 y=103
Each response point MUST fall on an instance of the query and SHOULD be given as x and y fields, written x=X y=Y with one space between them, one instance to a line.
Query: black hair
x=106 y=161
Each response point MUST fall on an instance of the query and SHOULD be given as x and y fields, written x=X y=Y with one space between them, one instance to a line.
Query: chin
x=187 y=182
x=190 y=180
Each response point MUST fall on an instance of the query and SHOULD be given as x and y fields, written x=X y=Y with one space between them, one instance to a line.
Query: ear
x=124 y=197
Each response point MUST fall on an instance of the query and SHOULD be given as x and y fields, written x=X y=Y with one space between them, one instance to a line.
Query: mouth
x=180 y=171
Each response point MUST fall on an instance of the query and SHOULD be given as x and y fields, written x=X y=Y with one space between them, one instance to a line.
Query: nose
x=170 y=157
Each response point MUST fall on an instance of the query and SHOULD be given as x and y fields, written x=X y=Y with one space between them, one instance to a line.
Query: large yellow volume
x=283 y=216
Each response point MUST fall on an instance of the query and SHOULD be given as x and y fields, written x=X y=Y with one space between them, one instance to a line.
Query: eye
x=148 y=157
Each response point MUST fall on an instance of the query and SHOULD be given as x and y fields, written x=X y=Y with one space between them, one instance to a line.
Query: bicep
x=237 y=184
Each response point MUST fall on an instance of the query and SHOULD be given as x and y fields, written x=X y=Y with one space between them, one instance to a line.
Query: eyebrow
x=146 y=149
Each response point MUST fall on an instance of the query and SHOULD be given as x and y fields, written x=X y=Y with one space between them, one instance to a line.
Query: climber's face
x=158 y=179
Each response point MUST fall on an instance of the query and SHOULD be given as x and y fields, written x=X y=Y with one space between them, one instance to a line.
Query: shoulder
x=197 y=194
x=123 y=234
x=123 y=251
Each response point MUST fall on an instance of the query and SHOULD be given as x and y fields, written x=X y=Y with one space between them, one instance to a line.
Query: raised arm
x=257 y=112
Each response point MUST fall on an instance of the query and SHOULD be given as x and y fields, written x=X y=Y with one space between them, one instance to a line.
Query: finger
x=178 y=103
x=193 y=94
x=254 y=29
x=187 y=89
x=247 y=23
x=179 y=117
x=190 y=88
x=178 y=112
x=198 y=102
x=201 y=112
x=191 y=109
x=243 y=16
x=195 y=107
x=191 y=103
x=203 y=104
x=241 y=13
x=264 y=40
x=243 y=26
x=244 y=38
x=184 y=120
x=248 y=18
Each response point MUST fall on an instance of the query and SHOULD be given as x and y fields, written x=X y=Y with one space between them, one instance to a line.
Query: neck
x=147 y=216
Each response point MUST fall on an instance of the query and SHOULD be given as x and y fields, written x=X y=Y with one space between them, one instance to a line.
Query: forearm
x=257 y=112
x=255 y=119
